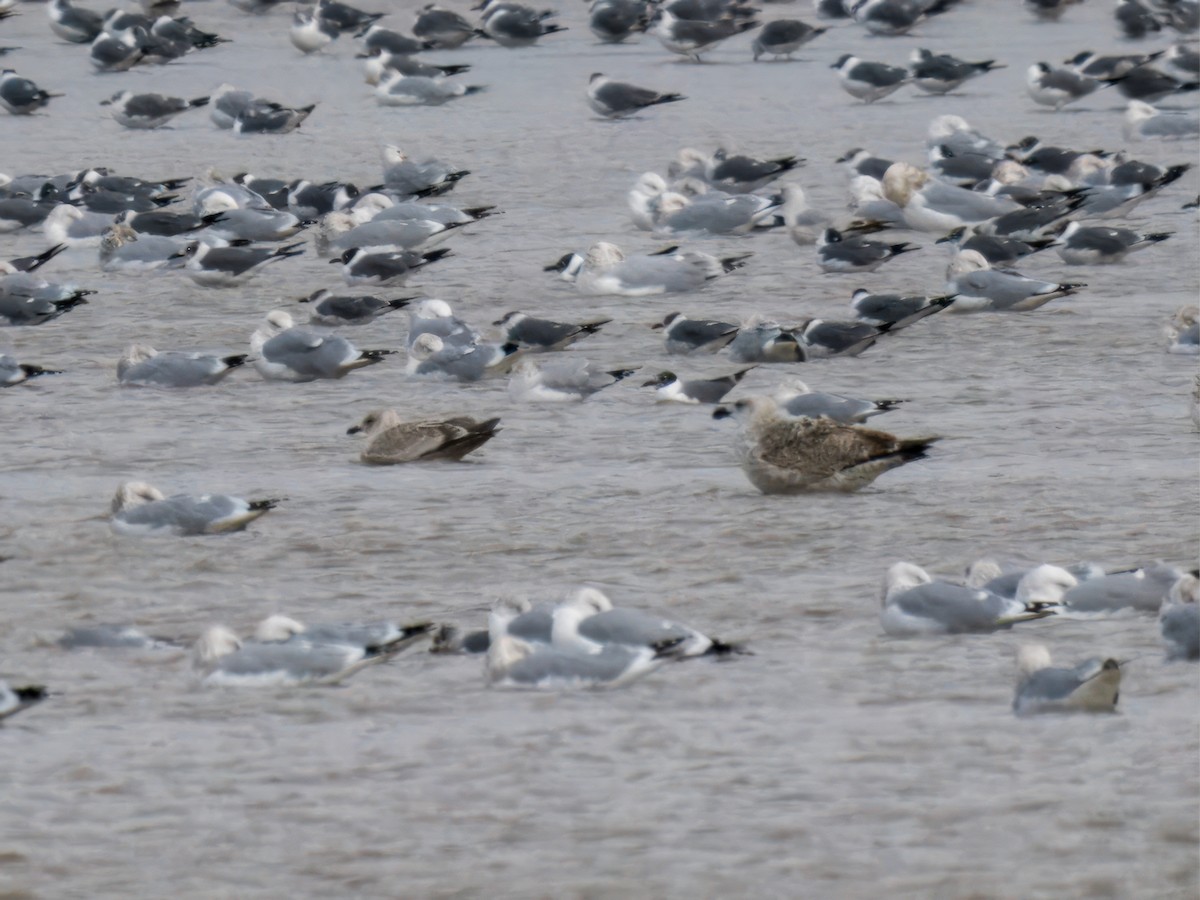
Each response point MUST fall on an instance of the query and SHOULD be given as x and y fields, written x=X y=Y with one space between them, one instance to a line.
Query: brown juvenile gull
x=783 y=455
x=392 y=440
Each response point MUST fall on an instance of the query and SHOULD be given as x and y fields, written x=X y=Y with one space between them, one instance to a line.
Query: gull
x=896 y=310
x=311 y=32
x=512 y=662
x=378 y=38
x=587 y=622
x=841 y=255
x=421 y=90
x=1179 y=620
x=288 y=353
x=265 y=117
x=67 y=224
x=515 y=25
x=784 y=455
x=996 y=250
x=339 y=233
x=617 y=99
x=978 y=286
x=430 y=355
x=1093 y=65
x=1144 y=121
x=824 y=338
x=517 y=617
x=123 y=250
x=1150 y=85
x=346 y=17
x=118 y=52
x=111 y=637
x=1091 y=686
x=606 y=270
x=888 y=17
x=332 y=309
x=20 y=96
x=783 y=37
x=761 y=340
x=741 y=174
x=1080 y=245
x=141 y=365
x=1049 y=10
x=869 y=81
x=148 y=110
x=13 y=372
x=392 y=440
x=430 y=178
x=690 y=37
x=139 y=509
x=670 y=386
x=914 y=603
x=941 y=73
x=385 y=637
x=434 y=316
x=1057 y=87
x=252 y=224
x=442 y=29
x=75 y=24
x=683 y=335
x=561 y=380
x=1184 y=331
x=545 y=334
x=1142 y=589
x=360 y=266
x=164 y=223
x=612 y=21
x=23 y=304
x=382 y=64
x=795 y=398
x=863 y=162
x=210 y=266
x=715 y=214
x=15 y=700
x=226 y=661
x=1135 y=20
x=35 y=262
x=931 y=205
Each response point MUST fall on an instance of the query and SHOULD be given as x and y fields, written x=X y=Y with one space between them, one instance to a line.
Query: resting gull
x=1179 y=620
x=783 y=37
x=977 y=286
x=142 y=365
x=671 y=387
x=545 y=334
x=226 y=661
x=391 y=440
x=380 y=636
x=606 y=270
x=1141 y=589
x=138 y=509
x=914 y=603
x=287 y=353
x=837 y=253
x=13 y=372
x=512 y=662
x=587 y=622
x=795 y=398
x=784 y=455
x=561 y=380
x=684 y=335
x=869 y=81
x=334 y=309
x=111 y=637
x=617 y=100
x=148 y=110
x=1091 y=686
x=210 y=266
x=1084 y=245
x=896 y=310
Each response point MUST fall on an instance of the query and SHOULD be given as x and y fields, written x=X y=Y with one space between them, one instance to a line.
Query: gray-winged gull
x=914 y=603
x=391 y=440
x=420 y=90
x=148 y=110
x=606 y=270
x=996 y=250
x=715 y=213
x=434 y=316
x=287 y=353
x=869 y=81
x=669 y=386
x=1085 y=245
x=210 y=266
x=840 y=254
x=784 y=455
x=691 y=37
x=1091 y=686
x=763 y=340
x=380 y=636
x=1179 y=620
x=143 y=365
x=111 y=637
x=442 y=29
x=512 y=662
x=329 y=308
x=783 y=37
x=932 y=205
x=20 y=96
x=617 y=99
x=431 y=355
x=684 y=335
x=1053 y=86
x=1144 y=121
x=561 y=380
x=588 y=622
x=545 y=334
x=385 y=267
x=512 y=24
x=896 y=310
x=940 y=73
x=978 y=286
x=796 y=399
x=1141 y=589
x=225 y=660
x=138 y=509
x=123 y=249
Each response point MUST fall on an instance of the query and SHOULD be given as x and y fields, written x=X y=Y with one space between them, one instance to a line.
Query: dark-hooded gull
x=329 y=308
x=75 y=24
x=618 y=99
x=1179 y=620
x=142 y=365
x=512 y=24
x=914 y=603
x=210 y=266
x=224 y=660
x=996 y=250
x=940 y=73
x=840 y=254
x=1091 y=686
x=977 y=286
x=14 y=372
x=20 y=96
x=392 y=440
x=892 y=17
x=691 y=37
x=683 y=335
x=287 y=353
x=139 y=508
x=561 y=380
x=896 y=310
x=386 y=267
x=869 y=81
x=612 y=21
x=147 y=111
x=442 y=29
x=783 y=37
x=784 y=455
x=1056 y=87
x=545 y=334
x=29 y=300
x=1085 y=245
x=795 y=398
x=15 y=700
x=670 y=387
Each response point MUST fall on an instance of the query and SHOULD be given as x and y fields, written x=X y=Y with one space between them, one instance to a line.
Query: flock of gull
x=995 y=203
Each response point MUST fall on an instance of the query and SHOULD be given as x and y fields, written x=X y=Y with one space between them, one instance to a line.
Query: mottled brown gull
x=392 y=440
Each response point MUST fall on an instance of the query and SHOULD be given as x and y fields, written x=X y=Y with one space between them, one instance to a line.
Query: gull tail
x=729 y=263
x=32 y=371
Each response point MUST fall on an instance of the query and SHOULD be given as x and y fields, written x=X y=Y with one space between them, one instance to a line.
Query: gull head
x=375 y=421
x=216 y=642
x=425 y=346
x=901 y=181
x=903 y=576
x=277 y=628
x=602 y=255
x=504 y=652
x=650 y=184
x=432 y=309
x=982 y=571
x=503 y=611
x=793 y=387
x=965 y=262
x=1032 y=658
x=944 y=126
x=749 y=410
x=1045 y=584
x=135 y=493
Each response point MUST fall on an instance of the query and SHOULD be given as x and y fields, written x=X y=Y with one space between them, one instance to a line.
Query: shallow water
x=834 y=761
